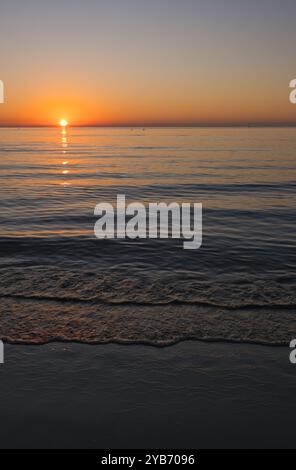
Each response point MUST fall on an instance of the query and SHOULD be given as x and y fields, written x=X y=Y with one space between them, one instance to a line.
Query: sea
x=58 y=282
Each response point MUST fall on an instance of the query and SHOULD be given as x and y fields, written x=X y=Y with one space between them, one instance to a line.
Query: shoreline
x=151 y=344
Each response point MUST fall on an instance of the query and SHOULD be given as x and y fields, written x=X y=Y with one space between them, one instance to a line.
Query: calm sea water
x=58 y=282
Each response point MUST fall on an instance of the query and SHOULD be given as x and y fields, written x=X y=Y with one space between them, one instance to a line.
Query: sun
x=63 y=123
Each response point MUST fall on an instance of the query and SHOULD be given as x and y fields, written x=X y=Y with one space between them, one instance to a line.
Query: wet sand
x=191 y=395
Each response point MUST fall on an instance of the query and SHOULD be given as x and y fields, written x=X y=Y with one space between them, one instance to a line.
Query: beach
x=192 y=395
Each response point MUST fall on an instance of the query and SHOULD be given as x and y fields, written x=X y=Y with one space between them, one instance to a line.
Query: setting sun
x=63 y=123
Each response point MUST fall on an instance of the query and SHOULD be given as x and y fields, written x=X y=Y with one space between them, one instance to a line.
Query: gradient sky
x=113 y=62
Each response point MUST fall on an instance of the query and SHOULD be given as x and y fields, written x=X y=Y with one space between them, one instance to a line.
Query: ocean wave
x=95 y=300
x=27 y=322
x=123 y=285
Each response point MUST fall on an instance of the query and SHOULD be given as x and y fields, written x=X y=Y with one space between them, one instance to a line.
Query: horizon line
x=147 y=125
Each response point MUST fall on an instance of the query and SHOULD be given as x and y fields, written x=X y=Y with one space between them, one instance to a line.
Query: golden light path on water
x=64 y=143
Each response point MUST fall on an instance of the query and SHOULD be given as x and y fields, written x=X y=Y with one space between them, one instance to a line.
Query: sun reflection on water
x=64 y=144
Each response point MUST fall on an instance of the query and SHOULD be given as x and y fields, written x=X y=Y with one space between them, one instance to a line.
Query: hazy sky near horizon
x=147 y=62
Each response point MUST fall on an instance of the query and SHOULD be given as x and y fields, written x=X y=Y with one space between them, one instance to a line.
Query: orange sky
x=146 y=63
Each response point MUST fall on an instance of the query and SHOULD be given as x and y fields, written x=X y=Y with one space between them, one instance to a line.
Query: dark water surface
x=58 y=282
